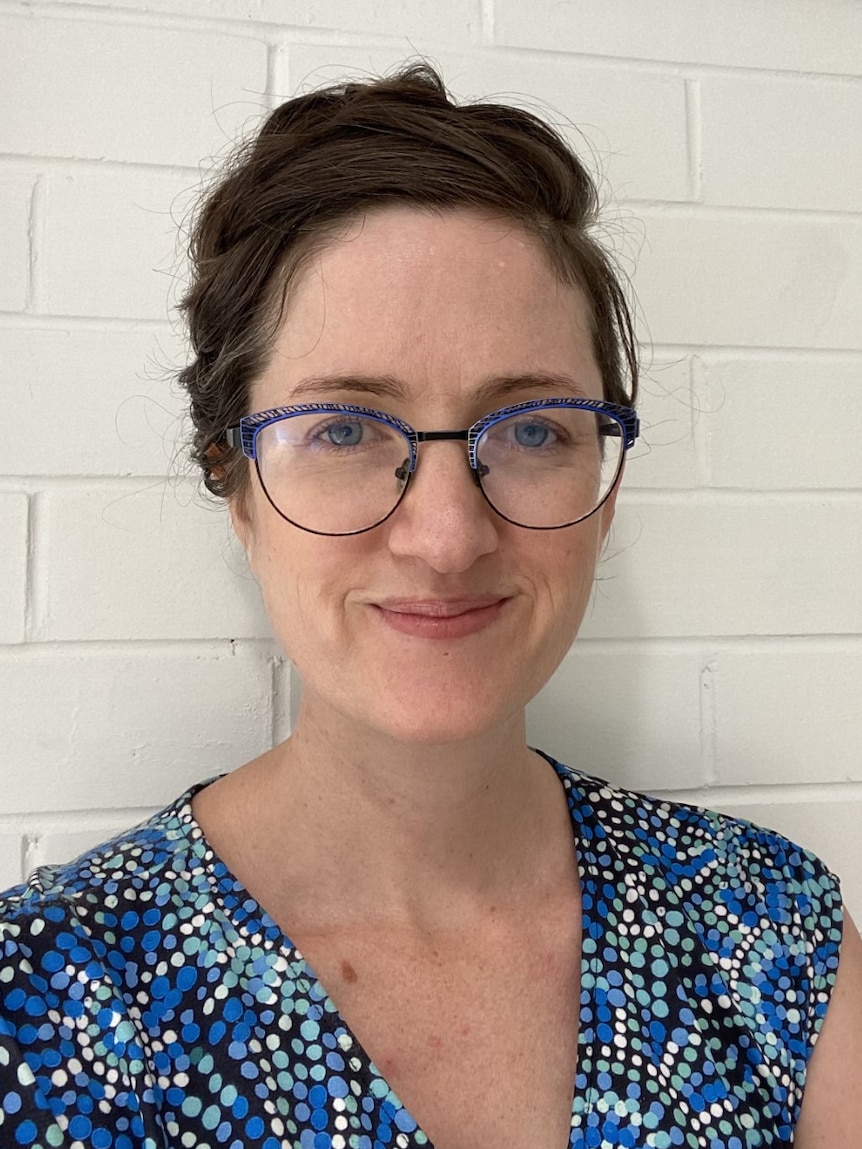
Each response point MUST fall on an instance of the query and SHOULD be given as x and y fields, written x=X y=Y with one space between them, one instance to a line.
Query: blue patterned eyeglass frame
x=624 y=425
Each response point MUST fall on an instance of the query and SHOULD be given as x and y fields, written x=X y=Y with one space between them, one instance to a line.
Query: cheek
x=567 y=568
x=305 y=582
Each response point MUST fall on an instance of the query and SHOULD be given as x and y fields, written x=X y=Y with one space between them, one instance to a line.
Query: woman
x=403 y=926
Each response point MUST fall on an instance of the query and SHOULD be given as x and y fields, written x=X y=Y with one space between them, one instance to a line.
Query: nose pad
x=478 y=473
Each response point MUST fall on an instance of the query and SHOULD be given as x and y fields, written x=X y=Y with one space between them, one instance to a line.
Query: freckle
x=465 y=1030
x=435 y=1042
x=347 y=971
x=547 y=962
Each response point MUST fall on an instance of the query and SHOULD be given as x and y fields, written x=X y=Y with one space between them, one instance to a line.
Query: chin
x=420 y=716
x=424 y=717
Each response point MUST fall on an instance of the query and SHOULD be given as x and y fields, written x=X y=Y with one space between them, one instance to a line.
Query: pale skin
x=406 y=805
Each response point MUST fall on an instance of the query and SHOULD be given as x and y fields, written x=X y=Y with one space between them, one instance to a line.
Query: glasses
x=340 y=469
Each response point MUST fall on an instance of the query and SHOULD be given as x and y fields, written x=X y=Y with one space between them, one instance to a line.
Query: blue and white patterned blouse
x=148 y=1002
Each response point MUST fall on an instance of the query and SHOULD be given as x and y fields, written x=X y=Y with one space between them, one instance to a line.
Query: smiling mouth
x=438 y=608
x=441 y=618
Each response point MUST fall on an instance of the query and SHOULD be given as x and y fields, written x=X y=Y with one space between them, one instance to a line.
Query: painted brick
x=134 y=93
x=142 y=564
x=90 y=402
x=740 y=33
x=444 y=19
x=710 y=278
x=653 y=738
x=633 y=123
x=283 y=700
x=829 y=829
x=13 y=566
x=788 y=715
x=121 y=228
x=214 y=10
x=776 y=142
x=15 y=193
x=127 y=727
x=52 y=846
x=665 y=454
x=784 y=423
x=730 y=568
x=11 y=849
x=457 y=20
x=295 y=694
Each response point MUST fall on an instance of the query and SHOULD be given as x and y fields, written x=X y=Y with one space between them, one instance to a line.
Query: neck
x=421 y=836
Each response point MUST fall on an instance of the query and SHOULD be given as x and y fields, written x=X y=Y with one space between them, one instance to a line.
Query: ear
x=609 y=506
x=239 y=508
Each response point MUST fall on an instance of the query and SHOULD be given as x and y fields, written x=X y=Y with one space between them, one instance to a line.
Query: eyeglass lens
x=338 y=473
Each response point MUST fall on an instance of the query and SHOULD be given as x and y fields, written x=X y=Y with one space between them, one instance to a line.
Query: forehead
x=437 y=299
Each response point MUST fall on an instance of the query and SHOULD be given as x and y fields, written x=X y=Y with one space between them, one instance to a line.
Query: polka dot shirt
x=148 y=1002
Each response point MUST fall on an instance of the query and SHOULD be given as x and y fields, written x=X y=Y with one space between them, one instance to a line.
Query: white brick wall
x=721 y=659
x=13 y=566
x=16 y=193
x=121 y=226
x=109 y=566
x=66 y=749
x=135 y=94
x=764 y=143
x=115 y=413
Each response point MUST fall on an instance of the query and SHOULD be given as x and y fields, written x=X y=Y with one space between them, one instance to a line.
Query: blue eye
x=531 y=434
x=344 y=434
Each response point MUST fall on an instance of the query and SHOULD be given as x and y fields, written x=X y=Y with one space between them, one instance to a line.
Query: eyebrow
x=388 y=387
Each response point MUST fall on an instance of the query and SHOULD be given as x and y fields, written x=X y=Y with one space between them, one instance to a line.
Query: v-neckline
x=584 y=1091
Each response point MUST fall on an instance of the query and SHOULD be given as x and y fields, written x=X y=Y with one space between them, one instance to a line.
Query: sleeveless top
x=148 y=1002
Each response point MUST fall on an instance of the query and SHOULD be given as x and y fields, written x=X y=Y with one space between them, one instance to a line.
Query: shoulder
x=763 y=914
x=830 y=1109
x=74 y=922
x=134 y=866
x=84 y=921
x=74 y=944
x=729 y=861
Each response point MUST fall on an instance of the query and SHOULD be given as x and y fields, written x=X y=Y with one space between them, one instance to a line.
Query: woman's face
x=441 y=306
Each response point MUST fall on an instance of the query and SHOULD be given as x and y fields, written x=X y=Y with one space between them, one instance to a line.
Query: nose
x=443 y=518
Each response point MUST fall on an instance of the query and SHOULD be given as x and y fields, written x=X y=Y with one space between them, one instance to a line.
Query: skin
x=431 y=303
x=415 y=747
x=830 y=1107
x=422 y=740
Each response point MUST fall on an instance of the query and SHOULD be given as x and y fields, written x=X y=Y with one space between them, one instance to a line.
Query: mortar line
x=776 y=793
x=706 y=700
x=694 y=139
x=699 y=381
x=33 y=599
x=277 y=74
x=35 y=223
x=274 y=699
x=486 y=22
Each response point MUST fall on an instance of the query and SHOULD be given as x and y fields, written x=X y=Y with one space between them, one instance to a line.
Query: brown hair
x=322 y=158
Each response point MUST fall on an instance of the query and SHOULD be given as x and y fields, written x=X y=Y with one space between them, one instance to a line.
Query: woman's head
x=441 y=622
x=377 y=245
x=324 y=159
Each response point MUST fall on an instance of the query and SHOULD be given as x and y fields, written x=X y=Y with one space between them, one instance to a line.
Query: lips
x=438 y=608
x=441 y=618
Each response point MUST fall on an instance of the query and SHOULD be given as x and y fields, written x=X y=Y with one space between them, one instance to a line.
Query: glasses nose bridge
x=462 y=436
x=430 y=436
